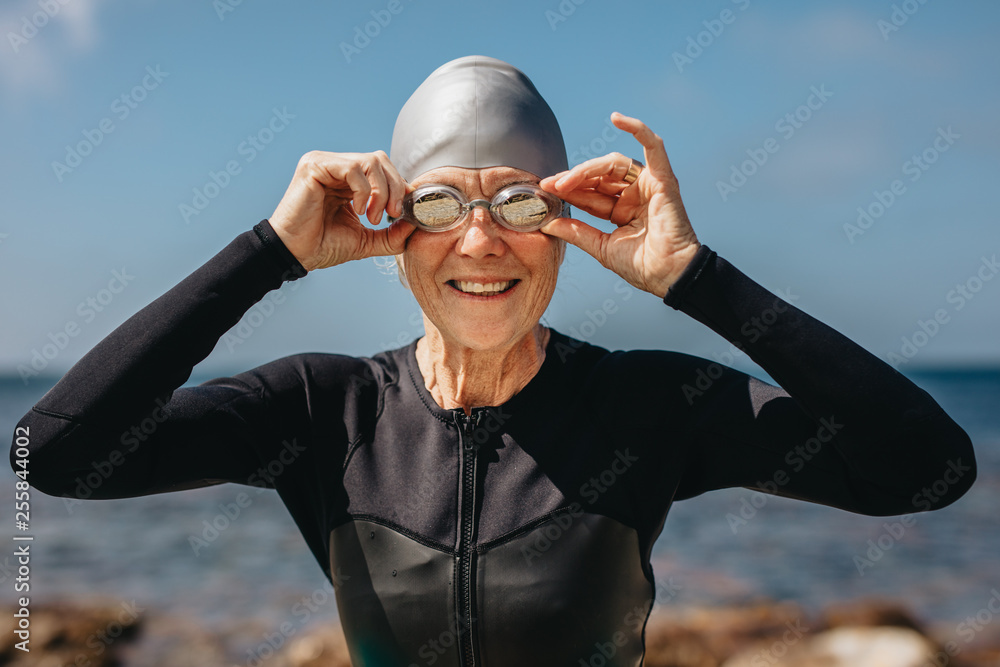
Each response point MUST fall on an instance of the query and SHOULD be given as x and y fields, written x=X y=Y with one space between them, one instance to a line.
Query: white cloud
x=39 y=39
x=832 y=156
x=79 y=18
x=844 y=35
x=838 y=33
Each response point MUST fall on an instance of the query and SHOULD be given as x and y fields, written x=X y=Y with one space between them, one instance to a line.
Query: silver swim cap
x=477 y=112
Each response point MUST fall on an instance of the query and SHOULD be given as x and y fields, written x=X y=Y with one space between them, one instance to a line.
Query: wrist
x=291 y=268
x=680 y=262
x=679 y=291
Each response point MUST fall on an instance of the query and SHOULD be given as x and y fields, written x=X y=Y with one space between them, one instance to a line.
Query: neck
x=461 y=377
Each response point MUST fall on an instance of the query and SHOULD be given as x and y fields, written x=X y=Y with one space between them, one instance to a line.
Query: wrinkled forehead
x=477 y=112
x=485 y=181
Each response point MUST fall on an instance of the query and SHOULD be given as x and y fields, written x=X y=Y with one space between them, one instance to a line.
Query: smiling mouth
x=483 y=289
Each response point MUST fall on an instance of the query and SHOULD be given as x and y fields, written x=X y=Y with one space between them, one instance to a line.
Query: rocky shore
x=864 y=634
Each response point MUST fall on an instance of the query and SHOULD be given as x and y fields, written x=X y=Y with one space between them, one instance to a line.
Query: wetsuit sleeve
x=844 y=428
x=116 y=425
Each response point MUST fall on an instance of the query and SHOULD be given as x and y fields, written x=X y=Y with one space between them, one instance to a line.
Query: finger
x=390 y=241
x=549 y=182
x=602 y=185
x=605 y=173
x=396 y=236
x=598 y=168
x=558 y=182
x=348 y=213
x=595 y=203
x=328 y=170
x=579 y=233
x=359 y=186
x=380 y=190
x=653 y=150
x=397 y=185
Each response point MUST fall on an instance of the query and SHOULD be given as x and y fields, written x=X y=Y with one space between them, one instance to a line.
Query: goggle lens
x=436 y=209
x=523 y=210
x=521 y=207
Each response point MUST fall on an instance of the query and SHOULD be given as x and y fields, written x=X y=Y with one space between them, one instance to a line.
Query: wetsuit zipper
x=467 y=522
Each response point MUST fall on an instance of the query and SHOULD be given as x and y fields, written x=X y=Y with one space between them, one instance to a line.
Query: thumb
x=579 y=233
x=391 y=241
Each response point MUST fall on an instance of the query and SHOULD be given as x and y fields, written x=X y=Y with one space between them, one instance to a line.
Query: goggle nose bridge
x=498 y=204
x=465 y=209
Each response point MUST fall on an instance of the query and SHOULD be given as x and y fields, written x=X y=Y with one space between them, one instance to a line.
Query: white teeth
x=487 y=289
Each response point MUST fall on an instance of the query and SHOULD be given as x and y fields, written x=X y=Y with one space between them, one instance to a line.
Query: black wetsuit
x=520 y=535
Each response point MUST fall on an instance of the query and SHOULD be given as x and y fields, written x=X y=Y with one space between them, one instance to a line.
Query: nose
x=480 y=236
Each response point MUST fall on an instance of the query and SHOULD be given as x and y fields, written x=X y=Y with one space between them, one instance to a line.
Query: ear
x=401 y=271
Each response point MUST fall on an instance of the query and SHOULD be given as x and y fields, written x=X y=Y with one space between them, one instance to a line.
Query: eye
x=436 y=209
x=524 y=210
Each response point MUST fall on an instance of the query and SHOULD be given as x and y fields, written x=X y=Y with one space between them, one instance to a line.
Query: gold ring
x=634 y=168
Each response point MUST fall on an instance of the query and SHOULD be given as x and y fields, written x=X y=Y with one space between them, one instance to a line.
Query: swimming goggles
x=522 y=208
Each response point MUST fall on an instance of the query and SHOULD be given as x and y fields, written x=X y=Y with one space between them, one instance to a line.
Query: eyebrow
x=515 y=180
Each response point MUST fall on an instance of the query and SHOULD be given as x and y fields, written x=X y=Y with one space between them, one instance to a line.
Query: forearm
x=154 y=351
x=126 y=381
x=890 y=432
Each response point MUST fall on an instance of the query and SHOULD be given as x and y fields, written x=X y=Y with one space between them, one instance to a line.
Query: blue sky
x=781 y=120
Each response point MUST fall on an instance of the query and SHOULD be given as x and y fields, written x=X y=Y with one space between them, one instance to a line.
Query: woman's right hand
x=318 y=221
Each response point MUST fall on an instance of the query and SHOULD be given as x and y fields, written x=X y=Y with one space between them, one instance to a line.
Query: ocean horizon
x=162 y=551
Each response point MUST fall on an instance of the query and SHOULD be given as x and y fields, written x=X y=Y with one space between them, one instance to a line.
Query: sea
x=943 y=566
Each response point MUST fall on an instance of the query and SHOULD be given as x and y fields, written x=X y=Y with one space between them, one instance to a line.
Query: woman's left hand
x=654 y=241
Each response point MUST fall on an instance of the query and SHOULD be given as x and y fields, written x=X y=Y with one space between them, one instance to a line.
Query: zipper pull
x=469 y=424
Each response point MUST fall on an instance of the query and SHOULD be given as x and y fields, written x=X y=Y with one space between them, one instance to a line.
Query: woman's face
x=444 y=269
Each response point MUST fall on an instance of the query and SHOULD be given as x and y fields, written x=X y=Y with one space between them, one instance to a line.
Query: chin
x=488 y=336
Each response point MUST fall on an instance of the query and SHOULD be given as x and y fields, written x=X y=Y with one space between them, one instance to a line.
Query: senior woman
x=490 y=494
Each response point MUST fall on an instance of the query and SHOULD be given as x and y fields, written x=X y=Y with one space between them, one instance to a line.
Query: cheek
x=419 y=262
x=549 y=259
